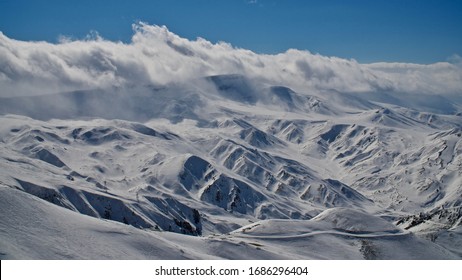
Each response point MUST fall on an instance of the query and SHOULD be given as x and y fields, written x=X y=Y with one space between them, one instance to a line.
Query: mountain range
x=228 y=166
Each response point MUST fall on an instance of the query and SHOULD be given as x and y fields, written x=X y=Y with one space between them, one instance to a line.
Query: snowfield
x=231 y=167
x=40 y=230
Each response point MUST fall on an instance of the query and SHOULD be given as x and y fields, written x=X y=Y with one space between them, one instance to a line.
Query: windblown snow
x=166 y=148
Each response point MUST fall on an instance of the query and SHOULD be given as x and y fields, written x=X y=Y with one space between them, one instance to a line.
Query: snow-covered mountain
x=230 y=166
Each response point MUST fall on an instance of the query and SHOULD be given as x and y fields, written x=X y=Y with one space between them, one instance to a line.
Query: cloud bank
x=157 y=56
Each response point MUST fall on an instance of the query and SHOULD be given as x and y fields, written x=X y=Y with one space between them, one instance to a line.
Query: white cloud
x=437 y=78
x=156 y=55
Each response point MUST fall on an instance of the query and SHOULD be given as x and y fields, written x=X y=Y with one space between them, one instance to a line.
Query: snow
x=40 y=230
x=228 y=167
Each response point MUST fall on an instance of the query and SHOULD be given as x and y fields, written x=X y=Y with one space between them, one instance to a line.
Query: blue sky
x=419 y=31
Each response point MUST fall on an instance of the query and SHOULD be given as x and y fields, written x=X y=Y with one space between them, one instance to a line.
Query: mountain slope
x=40 y=230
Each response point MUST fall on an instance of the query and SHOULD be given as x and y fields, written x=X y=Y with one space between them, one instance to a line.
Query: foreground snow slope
x=40 y=230
x=209 y=157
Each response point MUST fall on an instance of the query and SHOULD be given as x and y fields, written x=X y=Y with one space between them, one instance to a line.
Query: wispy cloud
x=156 y=55
x=455 y=59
